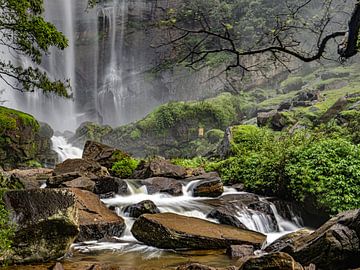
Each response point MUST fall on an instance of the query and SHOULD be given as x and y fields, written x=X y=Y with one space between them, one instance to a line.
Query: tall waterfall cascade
x=109 y=63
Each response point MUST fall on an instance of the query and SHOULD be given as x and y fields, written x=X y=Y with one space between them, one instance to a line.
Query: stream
x=131 y=254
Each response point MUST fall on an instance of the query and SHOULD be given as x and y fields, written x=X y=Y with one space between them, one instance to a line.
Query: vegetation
x=24 y=32
x=124 y=165
x=308 y=165
x=9 y=118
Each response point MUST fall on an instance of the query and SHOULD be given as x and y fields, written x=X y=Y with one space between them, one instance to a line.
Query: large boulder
x=89 y=168
x=287 y=240
x=29 y=179
x=159 y=167
x=335 y=245
x=108 y=186
x=46 y=223
x=275 y=261
x=23 y=141
x=163 y=185
x=209 y=185
x=103 y=154
x=198 y=266
x=144 y=207
x=95 y=219
x=172 y=231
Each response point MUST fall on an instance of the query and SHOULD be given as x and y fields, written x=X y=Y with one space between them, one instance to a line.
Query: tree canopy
x=25 y=33
x=252 y=35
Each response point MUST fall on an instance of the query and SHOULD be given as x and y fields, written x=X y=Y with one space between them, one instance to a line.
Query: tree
x=24 y=32
x=251 y=35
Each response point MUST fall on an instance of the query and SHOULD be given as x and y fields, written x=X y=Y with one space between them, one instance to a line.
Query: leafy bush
x=328 y=171
x=124 y=167
x=7 y=230
x=317 y=166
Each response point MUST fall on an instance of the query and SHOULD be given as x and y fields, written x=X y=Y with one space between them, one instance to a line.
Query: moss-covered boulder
x=46 y=224
x=24 y=142
x=172 y=231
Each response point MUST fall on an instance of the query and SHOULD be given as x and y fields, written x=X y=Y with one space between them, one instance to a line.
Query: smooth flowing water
x=131 y=254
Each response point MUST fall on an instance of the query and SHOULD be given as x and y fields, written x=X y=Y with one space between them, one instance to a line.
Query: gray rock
x=144 y=207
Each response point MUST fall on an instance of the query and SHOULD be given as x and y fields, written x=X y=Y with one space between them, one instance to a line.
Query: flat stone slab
x=172 y=231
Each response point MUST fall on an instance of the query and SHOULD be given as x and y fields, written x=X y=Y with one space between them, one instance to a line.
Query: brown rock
x=57 y=180
x=208 y=187
x=240 y=251
x=163 y=185
x=95 y=219
x=159 y=167
x=57 y=266
x=172 y=231
x=333 y=246
x=198 y=266
x=103 y=154
x=81 y=183
x=287 y=241
x=274 y=261
x=30 y=179
x=338 y=106
x=88 y=168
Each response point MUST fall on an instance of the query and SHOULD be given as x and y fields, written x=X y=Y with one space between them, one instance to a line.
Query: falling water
x=64 y=149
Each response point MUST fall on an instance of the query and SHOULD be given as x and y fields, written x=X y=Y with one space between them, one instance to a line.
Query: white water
x=188 y=206
x=64 y=149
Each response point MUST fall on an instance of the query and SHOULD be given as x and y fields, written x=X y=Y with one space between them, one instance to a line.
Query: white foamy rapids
x=64 y=149
x=188 y=206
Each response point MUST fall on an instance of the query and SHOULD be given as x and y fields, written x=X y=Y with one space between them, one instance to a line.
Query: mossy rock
x=23 y=140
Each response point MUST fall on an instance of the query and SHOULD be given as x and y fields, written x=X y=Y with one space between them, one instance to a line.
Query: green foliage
x=124 y=165
x=24 y=31
x=11 y=119
x=292 y=84
x=214 y=135
x=193 y=163
x=329 y=171
x=308 y=165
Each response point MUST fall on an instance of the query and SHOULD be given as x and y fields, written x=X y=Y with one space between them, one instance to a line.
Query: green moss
x=135 y=134
x=292 y=84
x=9 y=120
x=214 y=135
x=190 y=163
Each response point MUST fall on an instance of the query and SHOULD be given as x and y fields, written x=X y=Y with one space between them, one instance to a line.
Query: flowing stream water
x=128 y=252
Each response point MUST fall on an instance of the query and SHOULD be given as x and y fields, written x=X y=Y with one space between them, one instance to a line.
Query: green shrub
x=124 y=167
x=7 y=230
x=328 y=171
x=214 y=135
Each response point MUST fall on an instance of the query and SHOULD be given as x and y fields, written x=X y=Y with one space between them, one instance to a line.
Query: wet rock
x=287 y=241
x=88 y=168
x=29 y=179
x=333 y=246
x=144 y=207
x=163 y=185
x=225 y=216
x=47 y=223
x=159 y=167
x=274 y=261
x=240 y=251
x=103 y=154
x=110 y=185
x=172 y=231
x=208 y=186
x=95 y=219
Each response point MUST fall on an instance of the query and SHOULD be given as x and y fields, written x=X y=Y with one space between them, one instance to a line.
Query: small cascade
x=274 y=226
x=64 y=149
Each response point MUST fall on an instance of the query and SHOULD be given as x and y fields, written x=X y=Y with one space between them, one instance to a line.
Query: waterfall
x=64 y=149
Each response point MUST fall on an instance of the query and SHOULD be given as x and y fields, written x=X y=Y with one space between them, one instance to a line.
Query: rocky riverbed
x=164 y=217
